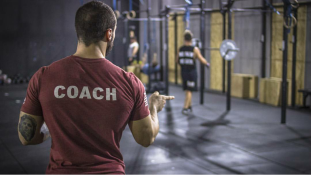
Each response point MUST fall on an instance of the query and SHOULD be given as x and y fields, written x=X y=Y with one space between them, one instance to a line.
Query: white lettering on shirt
x=190 y=83
x=85 y=93
x=145 y=99
x=181 y=54
x=56 y=94
x=188 y=54
x=113 y=94
x=75 y=92
x=185 y=61
x=95 y=93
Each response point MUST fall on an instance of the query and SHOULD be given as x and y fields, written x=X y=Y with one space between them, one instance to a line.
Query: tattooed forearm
x=27 y=127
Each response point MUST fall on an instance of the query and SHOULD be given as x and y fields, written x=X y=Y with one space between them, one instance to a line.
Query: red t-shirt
x=86 y=104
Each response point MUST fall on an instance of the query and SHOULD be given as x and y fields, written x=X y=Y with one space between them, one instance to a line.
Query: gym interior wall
x=37 y=33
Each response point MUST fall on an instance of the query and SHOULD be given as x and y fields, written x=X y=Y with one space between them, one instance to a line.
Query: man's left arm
x=29 y=129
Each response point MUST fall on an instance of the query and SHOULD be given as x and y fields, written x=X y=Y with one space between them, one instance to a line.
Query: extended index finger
x=168 y=97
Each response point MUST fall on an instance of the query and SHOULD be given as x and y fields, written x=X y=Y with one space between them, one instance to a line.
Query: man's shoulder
x=129 y=76
x=53 y=67
x=126 y=79
x=60 y=61
x=132 y=77
x=115 y=68
x=135 y=82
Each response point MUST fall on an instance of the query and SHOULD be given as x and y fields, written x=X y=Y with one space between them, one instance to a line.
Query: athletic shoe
x=190 y=108
x=184 y=111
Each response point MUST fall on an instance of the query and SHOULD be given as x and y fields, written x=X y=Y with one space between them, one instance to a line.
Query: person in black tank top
x=186 y=58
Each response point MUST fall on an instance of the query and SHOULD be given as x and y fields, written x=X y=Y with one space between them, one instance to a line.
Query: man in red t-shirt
x=86 y=102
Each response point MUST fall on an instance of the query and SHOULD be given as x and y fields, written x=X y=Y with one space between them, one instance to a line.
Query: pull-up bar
x=190 y=9
x=252 y=10
x=145 y=19
x=184 y=5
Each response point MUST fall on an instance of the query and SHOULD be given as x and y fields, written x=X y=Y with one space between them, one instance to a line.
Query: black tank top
x=186 y=60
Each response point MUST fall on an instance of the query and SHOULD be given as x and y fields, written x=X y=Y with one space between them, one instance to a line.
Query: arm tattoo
x=27 y=127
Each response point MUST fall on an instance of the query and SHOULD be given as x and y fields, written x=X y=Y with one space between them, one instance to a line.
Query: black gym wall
x=38 y=32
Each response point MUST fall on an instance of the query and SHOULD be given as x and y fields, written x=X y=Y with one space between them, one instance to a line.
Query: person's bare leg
x=186 y=100
x=189 y=99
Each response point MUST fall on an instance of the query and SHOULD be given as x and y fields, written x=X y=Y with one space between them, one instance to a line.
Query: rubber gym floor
x=248 y=139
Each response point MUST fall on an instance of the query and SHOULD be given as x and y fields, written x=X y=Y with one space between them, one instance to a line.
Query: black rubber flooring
x=247 y=140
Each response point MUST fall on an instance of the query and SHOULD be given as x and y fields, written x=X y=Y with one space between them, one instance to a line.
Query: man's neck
x=93 y=51
x=187 y=43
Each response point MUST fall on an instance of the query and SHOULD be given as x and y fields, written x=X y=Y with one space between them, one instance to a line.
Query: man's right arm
x=145 y=130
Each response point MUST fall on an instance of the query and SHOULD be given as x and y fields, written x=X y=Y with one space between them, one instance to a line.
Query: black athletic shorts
x=190 y=80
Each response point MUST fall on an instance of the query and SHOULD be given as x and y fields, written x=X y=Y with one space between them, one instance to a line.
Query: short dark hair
x=188 y=35
x=92 y=21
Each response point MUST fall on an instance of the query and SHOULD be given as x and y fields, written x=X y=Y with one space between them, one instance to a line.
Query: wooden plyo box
x=240 y=86
x=289 y=89
x=136 y=70
x=253 y=86
x=271 y=91
x=131 y=69
x=144 y=78
x=244 y=86
x=262 y=88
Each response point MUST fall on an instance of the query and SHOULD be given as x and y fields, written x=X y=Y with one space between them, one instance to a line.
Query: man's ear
x=108 y=35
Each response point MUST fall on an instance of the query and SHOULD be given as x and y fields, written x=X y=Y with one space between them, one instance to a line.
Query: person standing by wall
x=133 y=50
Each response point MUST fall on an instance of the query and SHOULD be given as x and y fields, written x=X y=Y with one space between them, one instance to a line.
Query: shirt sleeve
x=31 y=103
x=135 y=44
x=141 y=108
